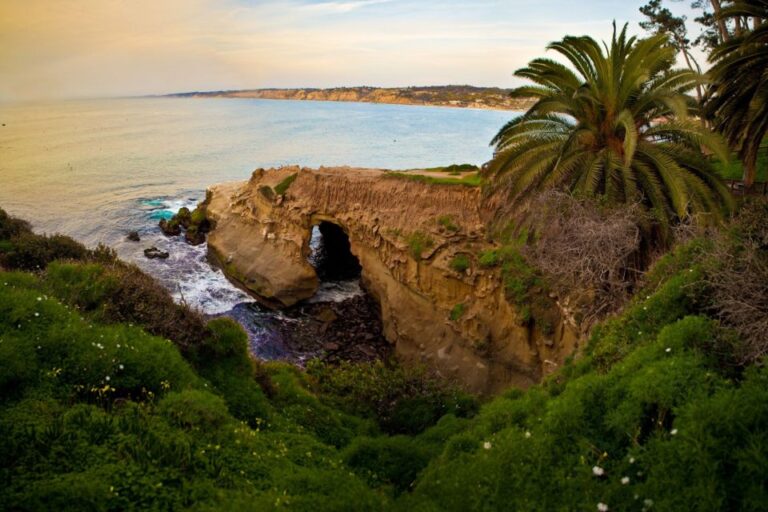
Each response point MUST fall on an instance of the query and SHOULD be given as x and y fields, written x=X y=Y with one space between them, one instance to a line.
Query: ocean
x=97 y=169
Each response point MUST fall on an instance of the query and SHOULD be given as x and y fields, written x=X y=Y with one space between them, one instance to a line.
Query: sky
x=53 y=49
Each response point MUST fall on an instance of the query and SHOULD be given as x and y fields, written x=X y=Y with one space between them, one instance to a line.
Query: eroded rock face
x=405 y=235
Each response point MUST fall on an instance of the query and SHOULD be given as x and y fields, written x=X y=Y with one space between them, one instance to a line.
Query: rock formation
x=405 y=234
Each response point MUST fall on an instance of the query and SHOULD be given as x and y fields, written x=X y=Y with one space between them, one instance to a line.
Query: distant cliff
x=463 y=96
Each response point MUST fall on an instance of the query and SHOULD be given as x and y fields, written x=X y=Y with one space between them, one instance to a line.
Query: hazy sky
x=81 y=48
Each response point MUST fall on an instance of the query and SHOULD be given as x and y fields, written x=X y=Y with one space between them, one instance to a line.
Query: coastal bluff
x=407 y=236
x=461 y=96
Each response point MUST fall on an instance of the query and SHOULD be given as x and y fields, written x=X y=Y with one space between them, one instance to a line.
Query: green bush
x=460 y=263
x=489 y=258
x=223 y=359
x=401 y=400
x=11 y=227
x=85 y=285
x=418 y=242
x=395 y=461
x=193 y=409
x=447 y=222
x=33 y=252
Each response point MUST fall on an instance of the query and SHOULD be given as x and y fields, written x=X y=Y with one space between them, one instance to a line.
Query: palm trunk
x=721 y=27
x=750 y=172
x=690 y=66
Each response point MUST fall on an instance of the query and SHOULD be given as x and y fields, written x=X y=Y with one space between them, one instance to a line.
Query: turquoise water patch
x=161 y=214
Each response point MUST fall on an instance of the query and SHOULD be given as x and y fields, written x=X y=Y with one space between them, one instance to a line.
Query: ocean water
x=96 y=169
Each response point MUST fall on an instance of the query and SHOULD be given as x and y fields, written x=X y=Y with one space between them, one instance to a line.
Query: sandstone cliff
x=445 y=96
x=457 y=322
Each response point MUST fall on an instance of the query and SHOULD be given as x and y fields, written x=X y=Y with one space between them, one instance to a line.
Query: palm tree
x=737 y=99
x=615 y=125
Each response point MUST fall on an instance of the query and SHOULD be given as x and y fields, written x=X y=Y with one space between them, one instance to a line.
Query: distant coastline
x=459 y=96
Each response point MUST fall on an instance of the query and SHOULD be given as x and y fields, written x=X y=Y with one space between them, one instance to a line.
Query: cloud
x=65 y=48
x=342 y=6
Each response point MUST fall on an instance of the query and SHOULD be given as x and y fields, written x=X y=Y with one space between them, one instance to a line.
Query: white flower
x=527 y=434
x=121 y=367
x=106 y=378
x=602 y=507
x=598 y=471
x=39 y=299
x=648 y=502
x=669 y=349
x=673 y=432
x=631 y=460
x=487 y=445
x=625 y=480
x=37 y=314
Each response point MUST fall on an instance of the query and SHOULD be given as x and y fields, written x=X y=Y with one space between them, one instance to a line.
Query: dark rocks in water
x=170 y=227
x=195 y=224
x=133 y=236
x=194 y=236
x=336 y=331
x=184 y=217
x=154 y=252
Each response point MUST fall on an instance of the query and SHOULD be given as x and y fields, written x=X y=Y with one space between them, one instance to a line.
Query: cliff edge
x=408 y=236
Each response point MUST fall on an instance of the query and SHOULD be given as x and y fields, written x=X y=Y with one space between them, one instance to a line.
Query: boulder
x=153 y=253
x=133 y=236
x=170 y=227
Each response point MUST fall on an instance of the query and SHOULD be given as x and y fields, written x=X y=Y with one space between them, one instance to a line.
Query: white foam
x=338 y=291
x=201 y=286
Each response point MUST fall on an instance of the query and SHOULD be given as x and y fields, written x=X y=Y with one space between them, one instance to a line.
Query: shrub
x=84 y=285
x=401 y=400
x=418 y=242
x=395 y=461
x=447 y=222
x=224 y=360
x=194 y=409
x=33 y=252
x=489 y=258
x=457 y=312
x=735 y=275
x=11 y=227
x=460 y=263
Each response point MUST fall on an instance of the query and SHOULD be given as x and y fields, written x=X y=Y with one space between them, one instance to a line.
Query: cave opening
x=331 y=254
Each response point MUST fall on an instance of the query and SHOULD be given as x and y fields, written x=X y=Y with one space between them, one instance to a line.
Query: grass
x=455 y=168
x=469 y=180
x=282 y=187
x=734 y=169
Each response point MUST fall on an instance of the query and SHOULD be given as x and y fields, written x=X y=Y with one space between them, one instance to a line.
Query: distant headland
x=461 y=96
